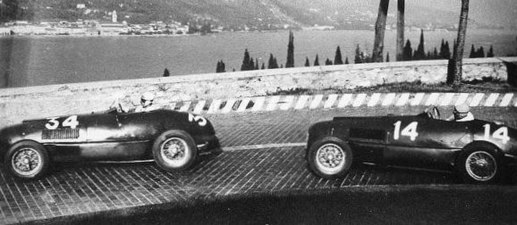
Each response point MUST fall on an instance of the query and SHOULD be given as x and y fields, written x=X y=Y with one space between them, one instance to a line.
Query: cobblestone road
x=75 y=190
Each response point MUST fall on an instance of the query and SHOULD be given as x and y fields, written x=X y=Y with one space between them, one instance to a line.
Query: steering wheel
x=433 y=112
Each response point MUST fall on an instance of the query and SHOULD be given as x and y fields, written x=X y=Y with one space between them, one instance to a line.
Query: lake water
x=42 y=60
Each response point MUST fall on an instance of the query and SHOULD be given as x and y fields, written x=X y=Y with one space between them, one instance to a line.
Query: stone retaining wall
x=17 y=104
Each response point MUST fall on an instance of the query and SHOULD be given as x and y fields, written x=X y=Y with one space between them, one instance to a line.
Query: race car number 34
x=53 y=123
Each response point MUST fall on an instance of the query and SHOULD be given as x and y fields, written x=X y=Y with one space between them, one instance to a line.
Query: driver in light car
x=461 y=113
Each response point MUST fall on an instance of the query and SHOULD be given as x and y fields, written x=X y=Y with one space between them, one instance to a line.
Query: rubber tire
x=40 y=149
x=313 y=149
x=475 y=147
x=192 y=152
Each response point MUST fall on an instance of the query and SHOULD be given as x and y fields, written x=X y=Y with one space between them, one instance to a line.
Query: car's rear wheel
x=330 y=157
x=174 y=150
x=27 y=160
x=479 y=163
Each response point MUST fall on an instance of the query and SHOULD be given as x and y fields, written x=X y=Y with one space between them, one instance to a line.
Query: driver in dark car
x=461 y=113
x=146 y=104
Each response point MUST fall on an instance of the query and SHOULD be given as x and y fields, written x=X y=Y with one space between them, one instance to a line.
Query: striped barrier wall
x=329 y=101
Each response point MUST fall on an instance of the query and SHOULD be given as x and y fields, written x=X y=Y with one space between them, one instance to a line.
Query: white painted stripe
x=243 y=105
x=491 y=99
x=506 y=99
x=250 y=147
x=301 y=102
x=273 y=101
x=199 y=107
x=417 y=99
x=259 y=102
x=477 y=99
x=388 y=99
x=374 y=99
x=359 y=99
x=330 y=101
x=445 y=99
x=462 y=98
x=214 y=107
x=432 y=99
x=185 y=106
x=316 y=101
x=286 y=104
x=229 y=105
x=403 y=99
x=345 y=99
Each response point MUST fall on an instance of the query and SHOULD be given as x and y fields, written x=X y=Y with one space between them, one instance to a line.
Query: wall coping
x=238 y=75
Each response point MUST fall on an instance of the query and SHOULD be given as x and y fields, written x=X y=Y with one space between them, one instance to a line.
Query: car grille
x=65 y=133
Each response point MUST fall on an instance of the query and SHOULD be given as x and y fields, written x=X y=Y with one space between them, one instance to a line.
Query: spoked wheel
x=174 y=150
x=479 y=163
x=27 y=160
x=330 y=158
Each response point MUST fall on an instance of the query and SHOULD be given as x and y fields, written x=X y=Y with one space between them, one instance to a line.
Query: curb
x=330 y=101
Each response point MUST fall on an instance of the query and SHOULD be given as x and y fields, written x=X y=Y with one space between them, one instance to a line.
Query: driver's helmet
x=147 y=98
x=461 y=111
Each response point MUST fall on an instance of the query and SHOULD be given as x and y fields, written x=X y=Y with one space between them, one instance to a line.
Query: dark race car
x=479 y=151
x=171 y=138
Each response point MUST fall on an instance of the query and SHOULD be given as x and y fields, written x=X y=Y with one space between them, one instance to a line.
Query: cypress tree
x=316 y=61
x=346 y=60
x=435 y=53
x=245 y=61
x=166 y=73
x=447 y=51
x=358 y=58
x=307 y=63
x=290 y=51
x=387 y=56
x=272 y=64
x=338 y=60
x=473 y=52
x=490 y=52
x=420 y=52
x=251 y=65
x=442 y=49
x=328 y=62
x=481 y=52
x=263 y=66
x=408 y=51
x=256 y=64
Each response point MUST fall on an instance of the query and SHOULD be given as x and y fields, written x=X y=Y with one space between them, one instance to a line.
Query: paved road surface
x=262 y=154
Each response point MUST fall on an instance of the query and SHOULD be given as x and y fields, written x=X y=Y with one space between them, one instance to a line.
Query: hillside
x=268 y=14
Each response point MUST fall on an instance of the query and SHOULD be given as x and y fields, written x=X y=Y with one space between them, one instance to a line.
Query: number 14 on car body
x=501 y=133
x=409 y=130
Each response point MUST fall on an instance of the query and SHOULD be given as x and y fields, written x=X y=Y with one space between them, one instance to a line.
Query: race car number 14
x=501 y=133
x=53 y=123
x=409 y=131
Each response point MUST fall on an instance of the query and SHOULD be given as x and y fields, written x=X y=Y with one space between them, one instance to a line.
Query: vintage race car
x=479 y=151
x=173 y=139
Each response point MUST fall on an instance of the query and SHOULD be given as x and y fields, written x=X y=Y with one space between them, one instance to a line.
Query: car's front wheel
x=479 y=163
x=330 y=157
x=174 y=150
x=27 y=160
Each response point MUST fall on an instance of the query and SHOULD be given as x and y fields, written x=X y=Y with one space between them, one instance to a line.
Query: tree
x=338 y=60
x=490 y=52
x=272 y=63
x=400 y=29
x=472 y=52
x=480 y=52
x=445 y=51
x=307 y=63
x=263 y=67
x=246 y=61
x=455 y=72
x=220 y=67
x=316 y=61
x=358 y=53
x=408 y=51
x=166 y=72
x=328 y=62
x=420 y=52
x=435 y=53
x=290 y=51
x=380 y=28
x=346 y=60
x=387 y=57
